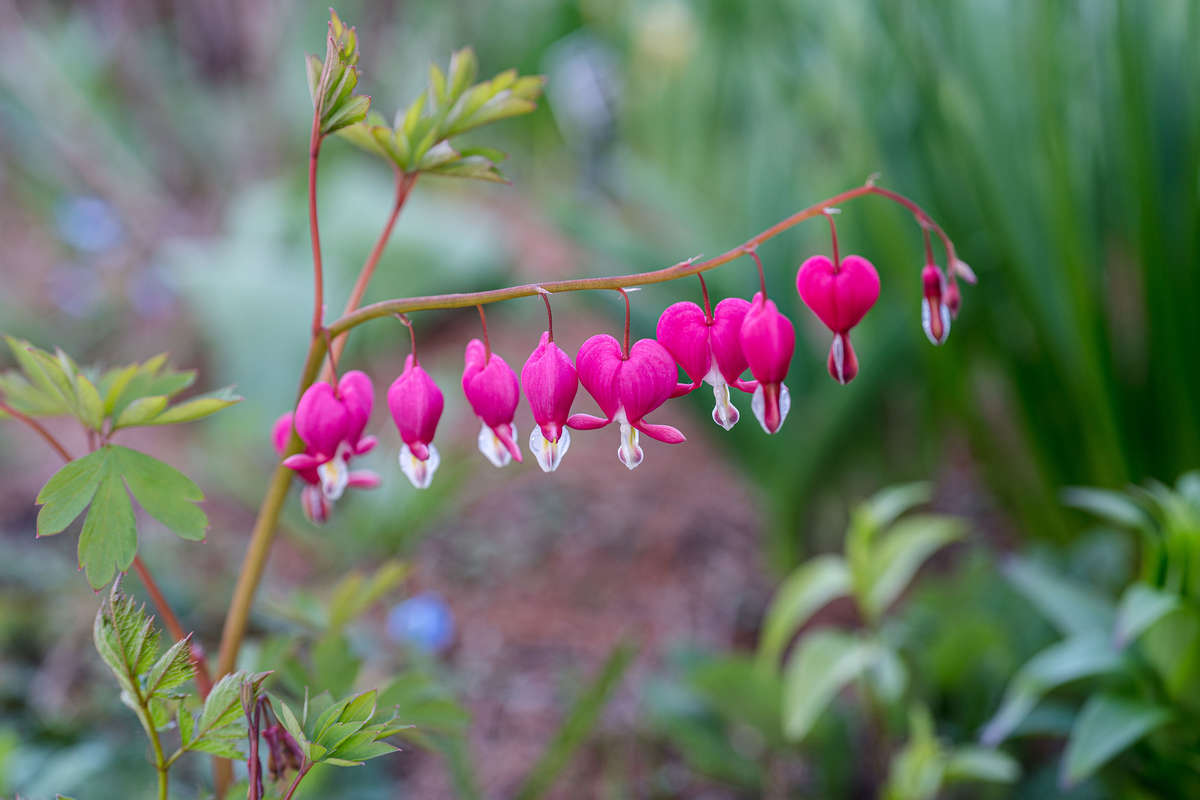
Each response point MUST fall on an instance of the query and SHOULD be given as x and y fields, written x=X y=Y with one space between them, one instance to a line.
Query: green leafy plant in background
x=783 y=698
x=1134 y=658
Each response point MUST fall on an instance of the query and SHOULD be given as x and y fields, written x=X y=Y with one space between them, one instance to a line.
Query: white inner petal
x=838 y=351
x=758 y=405
x=419 y=473
x=335 y=473
x=724 y=413
x=927 y=320
x=630 y=454
x=548 y=454
x=316 y=506
x=492 y=448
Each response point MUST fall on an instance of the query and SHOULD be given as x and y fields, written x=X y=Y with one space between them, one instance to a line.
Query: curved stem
x=762 y=277
x=314 y=150
x=837 y=261
x=404 y=185
x=299 y=777
x=681 y=270
x=928 y=246
x=549 y=316
x=412 y=336
x=708 y=317
x=37 y=428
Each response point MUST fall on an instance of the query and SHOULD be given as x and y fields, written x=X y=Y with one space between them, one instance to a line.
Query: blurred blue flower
x=88 y=223
x=423 y=621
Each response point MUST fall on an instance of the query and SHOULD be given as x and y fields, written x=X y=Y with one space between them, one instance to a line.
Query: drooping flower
x=492 y=390
x=416 y=404
x=768 y=340
x=627 y=388
x=709 y=349
x=840 y=295
x=550 y=383
x=313 y=499
x=935 y=315
x=331 y=422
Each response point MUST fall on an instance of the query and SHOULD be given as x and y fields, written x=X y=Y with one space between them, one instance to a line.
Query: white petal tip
x=493 y=448
x=725 y=413
x=419 y=473
x=548 y=454
x=758 y=405
x=629 y=453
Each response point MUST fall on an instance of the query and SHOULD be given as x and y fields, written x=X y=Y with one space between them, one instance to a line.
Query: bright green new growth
x=52 y=385
x=332 y=82
x=419 y=139
x=344 y=733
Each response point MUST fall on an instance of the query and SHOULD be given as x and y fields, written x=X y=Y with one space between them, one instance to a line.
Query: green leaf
x=173 y=668
x=887 y=505
x=1069 y=660
x=1107 y=725
x=824 y=663
x=126 y=639
x=1141 y=606
x=579 y=722
x=198 y=407
x=223 y=706
x=141 y=411
x=166 y=493
x=899 y=554
x=803 y=593
x=741 y=692
x=1071 y=607
x=68 y=492
x=981 y=764
x=108 y=542
x=1108 y=505
x=87 y=399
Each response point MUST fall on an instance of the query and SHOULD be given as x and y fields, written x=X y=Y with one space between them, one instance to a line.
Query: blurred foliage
x=1136 y=654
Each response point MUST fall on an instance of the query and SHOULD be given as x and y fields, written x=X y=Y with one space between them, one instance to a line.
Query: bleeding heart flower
x=935 y=315
x=627 y=388
x=840 y=296
x=550 y=384
x=330 y=422
x=768 y=340
x=416 y=404
x=492 y=390
x=709 y=349
x=314 y=500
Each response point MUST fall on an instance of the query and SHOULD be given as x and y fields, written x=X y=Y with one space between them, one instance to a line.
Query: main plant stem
x=314 y=150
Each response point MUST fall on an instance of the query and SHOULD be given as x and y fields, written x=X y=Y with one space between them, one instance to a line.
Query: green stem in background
x=404 y=185
x=314 y=150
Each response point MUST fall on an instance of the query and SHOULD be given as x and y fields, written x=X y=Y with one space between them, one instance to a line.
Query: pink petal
x=281 y=434
x=322 y=420
x=683 y=331
x=768 y=340
x=416 y=405
x=490 y=386
x=302 y=461
x=586 y=422
x=550 y=383
x=358 y=395
x=839 y=298
x=646 y=379
x=363 y=479
x=663 y=433
x=598 y=364
x=365 y=445
x=725 y=337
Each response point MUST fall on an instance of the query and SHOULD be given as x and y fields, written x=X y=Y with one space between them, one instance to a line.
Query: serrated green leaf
x=173 y=668
x=223 y=706
x=29 y=399
x=126 y=639
x=187 y=724
x=347 y=112
x=476 y=167
x=824 y=663
x=220 y=746
x=68 y=492
x=108 y=542
x=141 y=411
x=198 y=407
x=805 y=591
x=1106 y=725
x=288 y=718
x=166 y=493
x=55 y=370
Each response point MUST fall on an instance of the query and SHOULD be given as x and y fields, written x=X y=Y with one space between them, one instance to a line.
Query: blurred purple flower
x=423 y=621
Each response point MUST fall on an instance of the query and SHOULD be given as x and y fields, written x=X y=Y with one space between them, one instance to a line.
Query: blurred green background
x=152 y=192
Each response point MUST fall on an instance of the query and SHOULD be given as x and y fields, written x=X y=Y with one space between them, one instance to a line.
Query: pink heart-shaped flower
x=839 y=297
